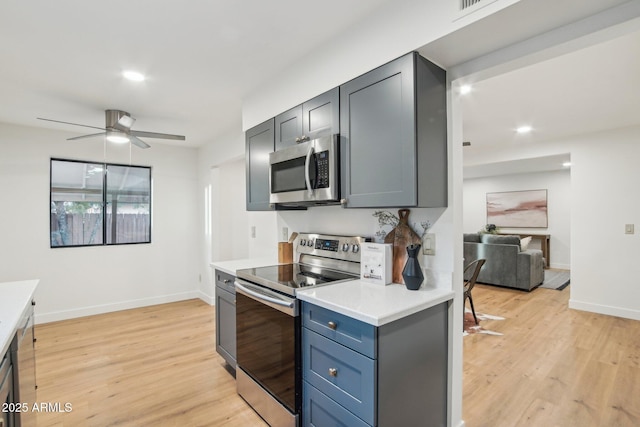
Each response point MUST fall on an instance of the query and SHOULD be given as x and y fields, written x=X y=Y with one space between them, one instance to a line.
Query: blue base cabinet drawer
x=345 y=330
x=344 y=375
x=405 y=384
x=320 y=411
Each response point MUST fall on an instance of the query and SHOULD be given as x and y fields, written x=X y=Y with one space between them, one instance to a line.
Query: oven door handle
x=307 y=164
x=277 y=301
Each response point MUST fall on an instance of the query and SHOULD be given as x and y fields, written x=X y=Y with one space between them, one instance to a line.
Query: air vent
x=465 y=7
x=468 y=3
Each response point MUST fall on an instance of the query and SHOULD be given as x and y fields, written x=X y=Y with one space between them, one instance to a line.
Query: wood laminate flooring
x=152 y=366
x=157 y=366
x=552 y=367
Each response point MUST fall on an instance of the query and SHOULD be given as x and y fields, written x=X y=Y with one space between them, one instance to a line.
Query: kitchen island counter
x=374 y=304
x=15 y=300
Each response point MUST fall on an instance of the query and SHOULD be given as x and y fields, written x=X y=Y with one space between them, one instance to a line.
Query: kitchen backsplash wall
x=337 y=220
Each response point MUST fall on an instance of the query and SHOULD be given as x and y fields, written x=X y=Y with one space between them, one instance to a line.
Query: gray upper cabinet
x=315 y=118
x=394 y=136
x=259 y=143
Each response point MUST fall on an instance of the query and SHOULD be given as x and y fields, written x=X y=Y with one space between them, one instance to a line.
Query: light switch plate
x=629 y=229
x=429 y=244
x=285 y=234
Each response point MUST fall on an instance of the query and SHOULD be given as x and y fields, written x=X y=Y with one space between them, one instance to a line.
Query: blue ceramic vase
x=412 y=272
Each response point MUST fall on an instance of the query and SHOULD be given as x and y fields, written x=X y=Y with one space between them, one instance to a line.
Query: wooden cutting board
x=401 y=237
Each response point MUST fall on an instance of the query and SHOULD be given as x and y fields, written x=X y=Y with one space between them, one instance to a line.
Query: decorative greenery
x=489 y=229
x=386 y=218
x=389 y=218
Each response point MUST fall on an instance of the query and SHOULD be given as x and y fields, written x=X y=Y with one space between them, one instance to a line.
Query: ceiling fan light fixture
x=117 y=137
x=126 y=121
x=134 y=76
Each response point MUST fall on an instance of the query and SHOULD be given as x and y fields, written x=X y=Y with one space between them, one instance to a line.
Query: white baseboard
x=605 y=309
x=561 y=266
x=211 y=300
x=108 y=308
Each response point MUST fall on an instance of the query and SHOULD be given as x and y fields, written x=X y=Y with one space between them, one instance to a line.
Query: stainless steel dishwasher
x=24 y=368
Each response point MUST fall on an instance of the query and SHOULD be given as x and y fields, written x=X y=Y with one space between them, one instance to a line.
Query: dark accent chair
x=469 y=283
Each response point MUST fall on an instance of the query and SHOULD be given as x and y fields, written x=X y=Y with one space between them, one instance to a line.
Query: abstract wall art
x=527 y=209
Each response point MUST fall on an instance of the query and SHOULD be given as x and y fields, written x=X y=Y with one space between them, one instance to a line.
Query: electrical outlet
x=429 y=244
x=253 y=231
x=285 y=234
x=629 y=229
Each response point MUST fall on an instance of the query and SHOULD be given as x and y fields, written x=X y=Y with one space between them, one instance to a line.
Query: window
x=99 y=204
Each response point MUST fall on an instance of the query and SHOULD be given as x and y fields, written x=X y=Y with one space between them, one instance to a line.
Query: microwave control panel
x=322 y=162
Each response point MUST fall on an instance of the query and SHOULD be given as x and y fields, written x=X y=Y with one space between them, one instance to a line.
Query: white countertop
x=15 y=297
x=230 y=267
x=374 y=304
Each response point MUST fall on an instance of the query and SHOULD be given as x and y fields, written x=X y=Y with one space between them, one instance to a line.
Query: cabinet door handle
x=298 y=140
x=227 y=281
x=333 y=372
x=332 y=325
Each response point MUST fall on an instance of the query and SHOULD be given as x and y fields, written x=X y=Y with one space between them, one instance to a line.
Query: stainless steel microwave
x=305 y=174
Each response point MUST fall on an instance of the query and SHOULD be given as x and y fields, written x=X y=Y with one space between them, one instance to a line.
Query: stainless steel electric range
x=269 y=372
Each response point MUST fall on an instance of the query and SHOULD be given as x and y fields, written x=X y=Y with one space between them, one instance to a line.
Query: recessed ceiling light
x=133 y=76
x=524 y=129
x=566 y=164
x=465 y=89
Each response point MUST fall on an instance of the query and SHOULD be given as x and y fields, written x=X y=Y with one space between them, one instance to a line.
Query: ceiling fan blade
x=69 y=123
x=157 y=135
x=86 y=136
x=137 y=141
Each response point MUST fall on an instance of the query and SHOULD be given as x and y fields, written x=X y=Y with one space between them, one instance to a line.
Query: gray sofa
x=507 y=265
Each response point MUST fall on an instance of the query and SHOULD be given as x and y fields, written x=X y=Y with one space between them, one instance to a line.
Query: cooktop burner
x=289 y=277
x=320 y=259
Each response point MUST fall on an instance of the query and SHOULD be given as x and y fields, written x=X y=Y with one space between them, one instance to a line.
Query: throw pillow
x=524 y=243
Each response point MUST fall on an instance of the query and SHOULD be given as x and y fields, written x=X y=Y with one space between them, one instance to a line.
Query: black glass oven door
x=267 y=347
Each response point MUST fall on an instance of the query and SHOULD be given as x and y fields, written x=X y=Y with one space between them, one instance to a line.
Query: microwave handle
x=306 y=170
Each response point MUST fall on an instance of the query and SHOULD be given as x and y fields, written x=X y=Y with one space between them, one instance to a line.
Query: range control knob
x=303 y=242
x=345 y=247
x=356 y=249
x=309 y=242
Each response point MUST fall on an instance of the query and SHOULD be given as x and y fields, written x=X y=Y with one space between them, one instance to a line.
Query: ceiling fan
x=118 y=129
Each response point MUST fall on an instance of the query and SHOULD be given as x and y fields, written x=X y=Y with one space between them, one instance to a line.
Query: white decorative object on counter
x=375 y=263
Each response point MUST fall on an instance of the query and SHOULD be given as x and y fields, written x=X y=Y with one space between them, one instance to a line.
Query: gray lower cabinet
x=356 y=374
x=393 y=124
x=226 y=317
x=259 y=143
x=315 y=118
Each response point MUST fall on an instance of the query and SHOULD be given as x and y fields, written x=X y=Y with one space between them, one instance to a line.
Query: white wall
x=81 y=281
x=557 y=184
x=604 y=260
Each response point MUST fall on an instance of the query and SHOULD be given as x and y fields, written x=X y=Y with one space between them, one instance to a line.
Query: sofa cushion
x=524 y=243
x=500 y=240
x=471 y=237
